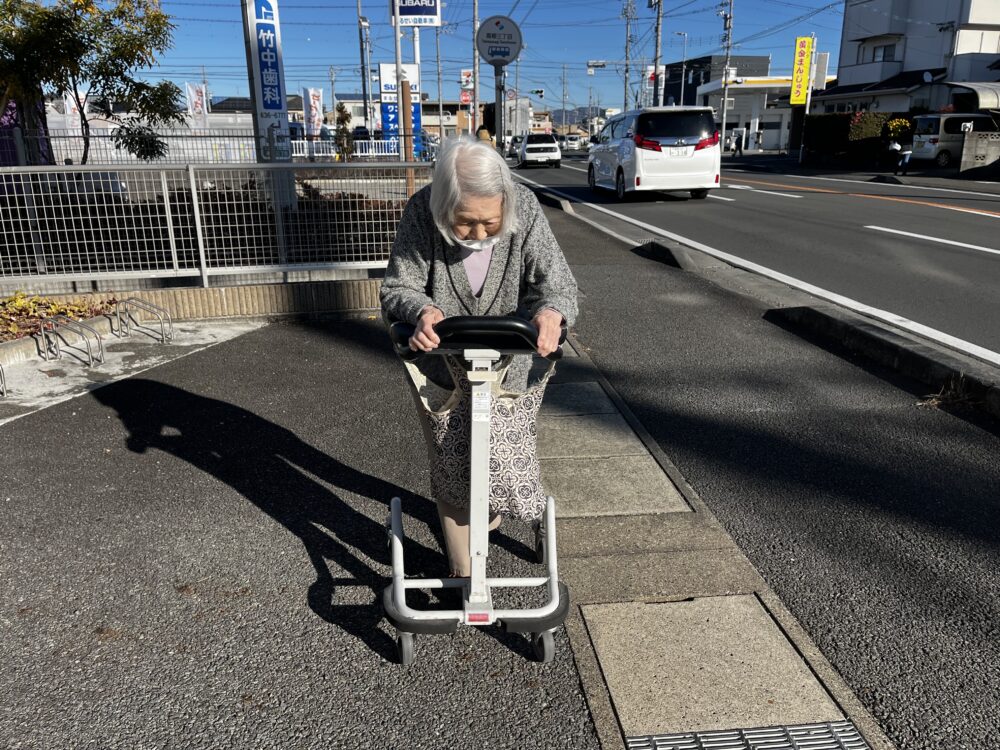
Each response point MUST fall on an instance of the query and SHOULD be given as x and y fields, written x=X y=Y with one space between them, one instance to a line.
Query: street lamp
x=683 y=63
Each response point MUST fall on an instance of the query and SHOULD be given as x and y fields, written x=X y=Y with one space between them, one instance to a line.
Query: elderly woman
x=475 y=243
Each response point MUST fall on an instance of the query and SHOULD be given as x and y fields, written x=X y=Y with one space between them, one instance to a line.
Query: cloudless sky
x=317 y=35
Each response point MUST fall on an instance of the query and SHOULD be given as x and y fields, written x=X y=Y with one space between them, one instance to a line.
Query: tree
x=98 y=46
x=343 y=137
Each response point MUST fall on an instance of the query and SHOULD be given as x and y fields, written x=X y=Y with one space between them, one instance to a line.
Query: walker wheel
x=544 y=646
x=539 y=542
x=404 y=648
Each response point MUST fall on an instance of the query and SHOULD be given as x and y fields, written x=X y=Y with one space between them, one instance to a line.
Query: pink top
x=477 y=263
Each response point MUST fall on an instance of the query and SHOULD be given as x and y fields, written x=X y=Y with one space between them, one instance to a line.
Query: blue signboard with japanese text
x=267 y=76
x=392 y=122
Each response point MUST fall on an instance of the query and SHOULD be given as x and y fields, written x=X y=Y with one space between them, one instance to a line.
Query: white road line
x=768 y=192
x=578 y=169
x=980 y=248
x=966 y=347
x=721 y=198
x=887 y=184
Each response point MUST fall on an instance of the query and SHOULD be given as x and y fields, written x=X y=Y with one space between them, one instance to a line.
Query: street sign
x=267 y=72
x=465 y=97
x=511 y=94
x=416 y=12
x=387 y=80
x=467 y=79
x=498 y=41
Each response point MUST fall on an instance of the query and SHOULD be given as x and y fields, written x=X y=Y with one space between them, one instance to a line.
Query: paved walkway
x=192 y=557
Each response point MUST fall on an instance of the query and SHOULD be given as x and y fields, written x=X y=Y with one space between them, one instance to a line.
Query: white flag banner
x=71 y=108
x=197 y=105
x=312 y=111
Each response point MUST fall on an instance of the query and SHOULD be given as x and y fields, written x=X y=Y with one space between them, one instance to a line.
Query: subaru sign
x=417 y=12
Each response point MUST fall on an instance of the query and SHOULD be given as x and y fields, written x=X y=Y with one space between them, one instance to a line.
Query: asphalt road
x=818 y=230
x=873 y=518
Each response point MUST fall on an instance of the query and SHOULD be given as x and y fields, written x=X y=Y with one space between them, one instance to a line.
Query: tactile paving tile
x=838 y=735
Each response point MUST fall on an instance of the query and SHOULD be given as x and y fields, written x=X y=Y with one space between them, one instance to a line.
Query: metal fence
x=234 y=146
x=92 y=223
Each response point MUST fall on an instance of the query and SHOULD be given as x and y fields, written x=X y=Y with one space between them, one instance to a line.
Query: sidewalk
x=193 y=558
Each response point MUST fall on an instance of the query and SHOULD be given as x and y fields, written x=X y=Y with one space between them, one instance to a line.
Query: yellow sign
x=800 y=69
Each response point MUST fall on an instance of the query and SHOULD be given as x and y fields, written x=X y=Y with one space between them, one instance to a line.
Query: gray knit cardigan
x=527 y=272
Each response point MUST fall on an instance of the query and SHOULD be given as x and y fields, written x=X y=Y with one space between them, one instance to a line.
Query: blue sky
x=318 y=35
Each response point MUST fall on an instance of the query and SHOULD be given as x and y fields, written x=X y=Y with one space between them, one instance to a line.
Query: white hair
x=469 y=167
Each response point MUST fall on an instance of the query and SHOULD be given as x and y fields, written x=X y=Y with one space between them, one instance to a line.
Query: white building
x=897 y=55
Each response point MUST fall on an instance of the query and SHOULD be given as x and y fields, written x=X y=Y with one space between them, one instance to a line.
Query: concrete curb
x=956 y=377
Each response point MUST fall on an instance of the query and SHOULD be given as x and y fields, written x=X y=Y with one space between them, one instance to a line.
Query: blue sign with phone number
x=391 y=123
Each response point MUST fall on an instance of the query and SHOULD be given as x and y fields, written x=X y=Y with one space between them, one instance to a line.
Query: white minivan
x=942 y=137
x=657 y=148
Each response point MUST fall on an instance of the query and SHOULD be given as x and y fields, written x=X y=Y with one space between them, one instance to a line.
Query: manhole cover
x=838 y=735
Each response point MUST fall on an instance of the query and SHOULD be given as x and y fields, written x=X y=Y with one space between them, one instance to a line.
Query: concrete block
x=659 y=575
x=568 y=399
x=591 y=436
x=713 y=663
x=630 y=535
x=620 y=485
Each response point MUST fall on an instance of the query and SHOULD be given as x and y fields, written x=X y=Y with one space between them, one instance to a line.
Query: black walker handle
x=506 y=334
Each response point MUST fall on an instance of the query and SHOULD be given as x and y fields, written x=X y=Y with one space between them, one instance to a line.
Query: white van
x=942 y=137
x=657 y=148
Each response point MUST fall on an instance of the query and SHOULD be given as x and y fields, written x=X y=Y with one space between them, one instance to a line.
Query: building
x=702 y=70
x=903 y=55
x=758 y=108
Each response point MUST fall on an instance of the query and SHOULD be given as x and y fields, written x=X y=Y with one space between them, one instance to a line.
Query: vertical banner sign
x=197 y=108
x=417 y=12
x=467 y=84
x=800 y=69
x=312 y=111
x=267 y=75
x=72 y=112
x=391 y=119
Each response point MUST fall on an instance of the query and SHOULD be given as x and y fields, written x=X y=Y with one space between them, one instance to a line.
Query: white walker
x=481 y=341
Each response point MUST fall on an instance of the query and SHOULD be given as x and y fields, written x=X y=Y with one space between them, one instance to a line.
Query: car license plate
x=678 y=151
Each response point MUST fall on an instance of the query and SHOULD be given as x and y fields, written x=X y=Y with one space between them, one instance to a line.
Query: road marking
x=936 y=239
x=756 y=190
x=887 y=184
x=891 y=198
x=721 y=198
x=578 y=169
x=953 y=342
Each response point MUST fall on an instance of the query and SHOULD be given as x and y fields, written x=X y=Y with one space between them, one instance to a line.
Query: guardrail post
x=202 y=265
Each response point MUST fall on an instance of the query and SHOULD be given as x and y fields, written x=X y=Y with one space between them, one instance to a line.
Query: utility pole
x=333 y=89
x=684 y=60
x=564 y=100
x=474 y=120
x=517 y=98
x=437 y=42
x=727 y=38
x=628 y=13
x=656 y=54
x=590 y=110
x=362 y=25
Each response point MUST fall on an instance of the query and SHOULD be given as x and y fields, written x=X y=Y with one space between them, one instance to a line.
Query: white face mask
x=477 y=245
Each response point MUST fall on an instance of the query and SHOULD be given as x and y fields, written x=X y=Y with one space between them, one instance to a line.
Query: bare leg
x=455 y=525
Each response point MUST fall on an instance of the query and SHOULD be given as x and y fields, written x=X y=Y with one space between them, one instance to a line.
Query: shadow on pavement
x=284 y=477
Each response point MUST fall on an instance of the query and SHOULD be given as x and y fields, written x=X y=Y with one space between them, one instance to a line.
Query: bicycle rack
x=125 y=324
x=3 y=383
x=49 y=326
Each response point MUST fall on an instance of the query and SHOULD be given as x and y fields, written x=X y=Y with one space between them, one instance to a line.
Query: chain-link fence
x=235 y=146
x=94 y=223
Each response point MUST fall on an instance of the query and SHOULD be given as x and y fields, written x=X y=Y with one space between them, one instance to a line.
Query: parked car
x=360 y=133
x=515 y=146
x=657 y=148
x=540 y=148
x=942 y=137
x=573 y=143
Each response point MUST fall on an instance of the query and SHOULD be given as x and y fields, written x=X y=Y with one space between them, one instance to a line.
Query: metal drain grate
x=837 y=735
